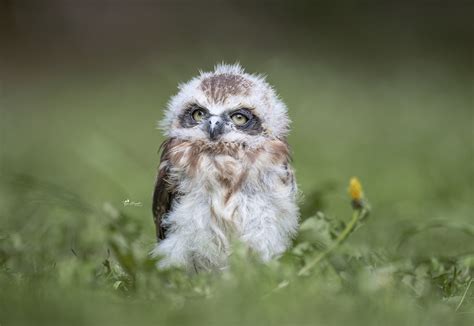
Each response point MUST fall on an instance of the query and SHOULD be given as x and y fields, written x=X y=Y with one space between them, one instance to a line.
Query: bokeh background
x=382 y=91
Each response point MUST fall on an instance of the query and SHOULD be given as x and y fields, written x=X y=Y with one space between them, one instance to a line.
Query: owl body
x=236 y=183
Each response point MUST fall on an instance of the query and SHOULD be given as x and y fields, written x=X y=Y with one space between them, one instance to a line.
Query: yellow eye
x=239 y=119
x=198 y=115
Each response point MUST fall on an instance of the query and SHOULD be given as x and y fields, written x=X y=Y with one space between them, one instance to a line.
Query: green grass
x=75 y=146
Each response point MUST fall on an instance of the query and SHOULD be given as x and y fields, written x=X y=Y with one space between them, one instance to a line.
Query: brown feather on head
x=220 y=86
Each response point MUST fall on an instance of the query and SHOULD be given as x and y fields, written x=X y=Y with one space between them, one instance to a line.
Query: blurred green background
x=375 y=90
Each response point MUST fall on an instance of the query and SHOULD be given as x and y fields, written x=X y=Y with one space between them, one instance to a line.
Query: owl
x=225 y=172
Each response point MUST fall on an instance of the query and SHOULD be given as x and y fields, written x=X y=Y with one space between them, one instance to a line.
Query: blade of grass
x=464 y=295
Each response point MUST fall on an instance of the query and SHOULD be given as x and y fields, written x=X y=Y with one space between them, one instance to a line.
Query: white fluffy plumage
x=220 y=179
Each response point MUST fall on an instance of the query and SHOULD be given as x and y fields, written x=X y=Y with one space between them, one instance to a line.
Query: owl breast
x=229 y=191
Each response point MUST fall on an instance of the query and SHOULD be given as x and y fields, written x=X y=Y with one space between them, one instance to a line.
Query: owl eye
x=239 y=119
x=198 y=115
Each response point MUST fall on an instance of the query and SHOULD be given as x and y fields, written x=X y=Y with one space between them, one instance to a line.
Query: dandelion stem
x=356 y=217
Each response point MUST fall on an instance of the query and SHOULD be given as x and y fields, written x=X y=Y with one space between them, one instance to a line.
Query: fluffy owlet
x=225 y=172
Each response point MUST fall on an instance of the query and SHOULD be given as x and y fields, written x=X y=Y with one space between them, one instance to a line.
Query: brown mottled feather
x=163 y=194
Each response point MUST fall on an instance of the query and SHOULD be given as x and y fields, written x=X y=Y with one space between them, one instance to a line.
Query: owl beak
x=215 y=127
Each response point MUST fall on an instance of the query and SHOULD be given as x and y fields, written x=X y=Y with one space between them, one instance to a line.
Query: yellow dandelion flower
x=355 y=189
x=356 y=193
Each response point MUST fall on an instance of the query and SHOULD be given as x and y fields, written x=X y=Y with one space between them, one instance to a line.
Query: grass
x=76 y=146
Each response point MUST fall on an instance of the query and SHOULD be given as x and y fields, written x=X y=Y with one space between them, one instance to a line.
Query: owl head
x=226 y=105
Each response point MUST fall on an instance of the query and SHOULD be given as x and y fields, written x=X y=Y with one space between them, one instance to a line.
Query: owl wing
x=164 y=192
